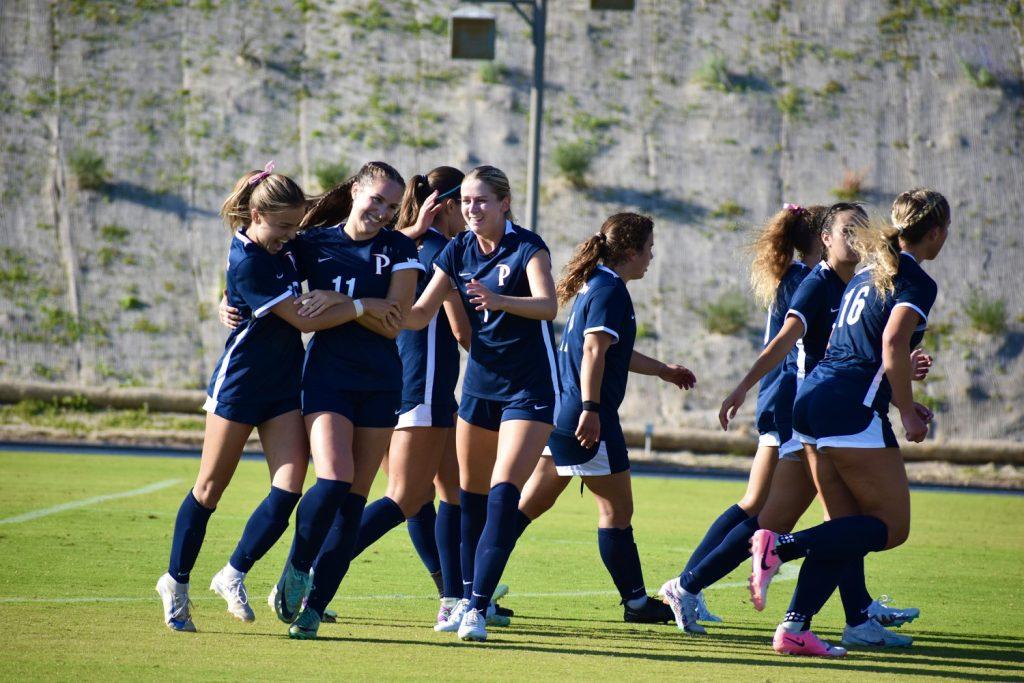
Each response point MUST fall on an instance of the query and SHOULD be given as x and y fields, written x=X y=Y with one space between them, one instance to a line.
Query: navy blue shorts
x=489 y=414
x=374 y=409
x=423 y=415
x=251 y=413
x=830 y=414
x=609 y=456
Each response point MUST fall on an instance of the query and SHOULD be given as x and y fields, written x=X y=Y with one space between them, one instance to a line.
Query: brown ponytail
x=263 y=191
x=334 y=206
x=791 y=229
x=620 y=234
x=445 y=180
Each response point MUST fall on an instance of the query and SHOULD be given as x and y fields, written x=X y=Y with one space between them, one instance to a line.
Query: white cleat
x=500 y=591
x=270 y=598
x=177 y=606
x=444 y=611
x=893 y=617
x=454 y=618
x=495 y=619
x=473 y=627
x=873 y=634
x=234 y=593
x=703 y=613
x=684 y=606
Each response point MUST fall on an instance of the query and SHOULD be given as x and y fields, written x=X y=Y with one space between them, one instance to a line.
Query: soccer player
x=255 y=384
x=843 y=406
x=774 y=276
x=510 y=391
x=595 y=358
x=351 y=380
x=805 y=333
x=422 y=452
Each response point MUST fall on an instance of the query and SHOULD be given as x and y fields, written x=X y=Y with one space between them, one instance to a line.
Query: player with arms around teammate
x=422 y=451
x=843 y=406
x=351 y=379
x=255 y=384
x=812 y=311
x=510 y=391
x=594 y=361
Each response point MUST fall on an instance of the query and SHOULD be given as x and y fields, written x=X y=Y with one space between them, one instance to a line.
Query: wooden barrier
x=693 y=440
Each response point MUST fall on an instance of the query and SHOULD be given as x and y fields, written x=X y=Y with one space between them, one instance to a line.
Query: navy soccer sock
x=474 y=516
x=522 y=521
x=421 y=532
x=715 y=534
x=854 y=592
x=380 y=517
x=265 y=526
x=189 y=532
x=729 y=554
x=818 y=579
x=448 y=532
x=496 y=542
x=622 y=560
x=314 y=518
x=333 y=561
x=845 y=538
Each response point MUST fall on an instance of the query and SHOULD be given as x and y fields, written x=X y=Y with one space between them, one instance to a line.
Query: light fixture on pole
x=473 y=32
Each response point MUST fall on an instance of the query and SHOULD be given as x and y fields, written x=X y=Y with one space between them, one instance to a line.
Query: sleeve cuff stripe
x=799 y=315
x=924 y=318
x=265 y=308
x=606 y=330
x=407 y=266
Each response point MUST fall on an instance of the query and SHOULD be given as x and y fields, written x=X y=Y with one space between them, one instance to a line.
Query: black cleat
x=653 y=611
x=503 y=611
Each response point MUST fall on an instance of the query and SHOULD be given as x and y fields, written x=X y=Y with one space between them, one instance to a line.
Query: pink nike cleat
x=803 y=643
x=766 y=564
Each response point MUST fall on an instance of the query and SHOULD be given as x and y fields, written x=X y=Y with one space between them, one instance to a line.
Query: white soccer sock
x=232 y=573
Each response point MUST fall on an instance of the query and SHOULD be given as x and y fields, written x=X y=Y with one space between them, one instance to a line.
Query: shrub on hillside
x=727 y=314
x=89 y=169
x=986 y=315
x=573 y=160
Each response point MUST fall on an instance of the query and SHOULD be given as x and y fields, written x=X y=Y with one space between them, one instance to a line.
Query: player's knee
x=898 y=534
x=208 y=492
x=618 y=517
x=752 y=502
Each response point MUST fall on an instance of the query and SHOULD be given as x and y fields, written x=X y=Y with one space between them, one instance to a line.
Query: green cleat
x=305 y=626
x=292 y=590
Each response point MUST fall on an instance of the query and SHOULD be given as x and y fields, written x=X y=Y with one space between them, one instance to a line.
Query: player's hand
x=319 y=300
x=228 y=315
x=924 y=412
x=482 y=298
x=428 y=212
x=678 y=375
x=730 y=406
x=588 y=431
x=384 y=310
x=914 y=425
x=920 y=363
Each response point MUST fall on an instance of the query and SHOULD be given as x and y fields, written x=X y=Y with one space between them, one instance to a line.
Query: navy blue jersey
x=815 y=303
x=262 y=359
x=774 y=378
x=603 y=305
x=510 y=357
x=430 y=357
x=351 y=357
x=855 y=349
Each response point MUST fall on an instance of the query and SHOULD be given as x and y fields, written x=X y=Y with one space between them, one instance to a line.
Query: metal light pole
x=473 y=36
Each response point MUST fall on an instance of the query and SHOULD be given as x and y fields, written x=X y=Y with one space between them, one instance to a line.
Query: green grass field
x=77 y=598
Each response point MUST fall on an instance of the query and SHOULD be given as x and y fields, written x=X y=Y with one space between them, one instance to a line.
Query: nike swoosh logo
x=880 y=643
x=321 y=260
x=465 y=274
x=280 y=275
x=763 y=565
x=796 y=641
x=539 y=407
x=834 y=310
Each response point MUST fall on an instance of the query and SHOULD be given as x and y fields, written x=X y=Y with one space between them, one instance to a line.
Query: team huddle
x=390 y=278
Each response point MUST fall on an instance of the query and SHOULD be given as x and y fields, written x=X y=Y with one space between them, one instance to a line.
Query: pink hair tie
x=267 y=170
x=794 y=208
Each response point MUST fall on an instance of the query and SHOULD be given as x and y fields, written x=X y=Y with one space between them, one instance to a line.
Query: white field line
x=36 y=514
x=788 y=572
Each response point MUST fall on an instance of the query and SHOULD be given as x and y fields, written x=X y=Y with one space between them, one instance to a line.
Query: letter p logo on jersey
x=503 y=272
x=382 y=262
